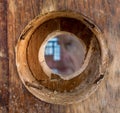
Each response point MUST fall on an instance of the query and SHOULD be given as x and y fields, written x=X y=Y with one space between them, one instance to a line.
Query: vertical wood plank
x=105 y=13
x=4 y=95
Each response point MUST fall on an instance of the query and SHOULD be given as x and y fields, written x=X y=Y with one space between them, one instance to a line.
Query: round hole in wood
x=63 y=54
x=54 y=88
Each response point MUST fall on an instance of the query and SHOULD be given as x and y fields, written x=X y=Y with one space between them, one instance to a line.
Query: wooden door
x=15 y=15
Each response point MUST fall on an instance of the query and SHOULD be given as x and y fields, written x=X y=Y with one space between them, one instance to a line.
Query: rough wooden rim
x=32 y=84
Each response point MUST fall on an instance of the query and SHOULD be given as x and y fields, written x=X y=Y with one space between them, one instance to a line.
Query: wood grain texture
x=105 y=13
x=4 y=95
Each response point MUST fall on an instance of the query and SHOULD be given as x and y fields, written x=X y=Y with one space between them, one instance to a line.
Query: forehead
x=66 y=38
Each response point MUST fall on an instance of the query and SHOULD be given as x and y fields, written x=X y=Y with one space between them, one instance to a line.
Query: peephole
x=61 y=57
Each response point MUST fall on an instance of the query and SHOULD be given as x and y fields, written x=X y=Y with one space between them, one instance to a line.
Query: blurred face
x=70 y=54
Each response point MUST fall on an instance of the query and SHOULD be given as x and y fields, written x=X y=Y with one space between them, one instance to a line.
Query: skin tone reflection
x=64 y=54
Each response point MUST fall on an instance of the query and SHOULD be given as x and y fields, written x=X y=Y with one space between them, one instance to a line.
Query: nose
x=64 y=55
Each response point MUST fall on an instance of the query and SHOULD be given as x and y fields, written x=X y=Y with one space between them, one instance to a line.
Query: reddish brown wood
x=105 y=13
x=3 y=58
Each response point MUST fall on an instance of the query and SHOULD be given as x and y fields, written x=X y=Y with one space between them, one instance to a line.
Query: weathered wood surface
x=15 y=15
x=4 y=63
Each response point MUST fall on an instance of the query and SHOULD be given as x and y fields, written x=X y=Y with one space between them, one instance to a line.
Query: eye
x=68 y=45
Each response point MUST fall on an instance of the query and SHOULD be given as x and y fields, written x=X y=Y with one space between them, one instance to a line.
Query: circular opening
x=33 y=65
x=64 y=53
